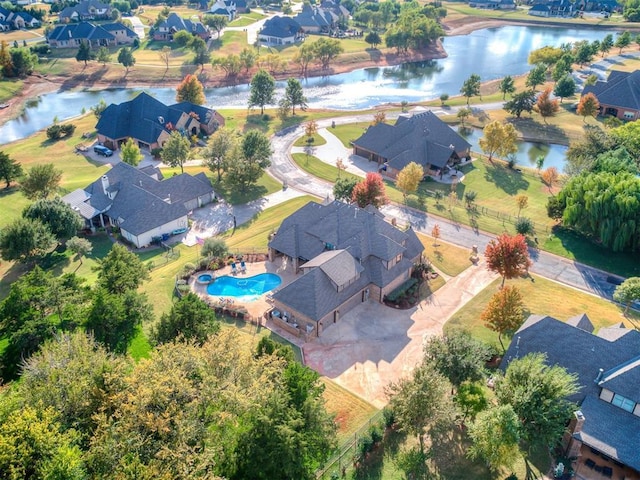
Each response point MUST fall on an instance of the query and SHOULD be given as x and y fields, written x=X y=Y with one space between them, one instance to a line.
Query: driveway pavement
x=138 y=26
x=373 y=345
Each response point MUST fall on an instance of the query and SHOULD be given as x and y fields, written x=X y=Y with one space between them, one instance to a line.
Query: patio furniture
x=234 y=269
x=243 y=267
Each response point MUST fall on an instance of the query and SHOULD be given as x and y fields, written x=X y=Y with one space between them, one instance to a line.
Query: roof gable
x=621 y=89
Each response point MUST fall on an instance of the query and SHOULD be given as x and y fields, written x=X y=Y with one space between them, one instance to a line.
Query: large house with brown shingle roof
x=604 y=434
x=421 y=138
x=347 y=255
x=619 y=95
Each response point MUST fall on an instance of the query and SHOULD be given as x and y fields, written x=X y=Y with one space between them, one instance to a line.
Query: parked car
x=102 y=150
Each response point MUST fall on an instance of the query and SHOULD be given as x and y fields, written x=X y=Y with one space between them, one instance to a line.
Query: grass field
x=317 y=141
x=541 y=297
x=446 y=257
x=255 y=234
x=9 y=89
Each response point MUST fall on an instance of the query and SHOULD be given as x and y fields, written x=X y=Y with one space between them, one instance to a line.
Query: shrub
x=365 y=445
x=54 y=132
x=401 y=290
x=188 y=269
x=388 y=416
x=513 y=476
x=375 y=432
x=68 y=129
x=524 y=226
x=214 y=247
x=156 y=152
x=42 y=49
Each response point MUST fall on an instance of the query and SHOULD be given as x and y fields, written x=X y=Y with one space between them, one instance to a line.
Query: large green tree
x=294 y=95
x=507 y=86
x=471 y=87
x=538 y=395
x=457 y=356
x=190 y=318
x=495 y=437
x=121 y=270
x=605 y=206
x=262 y=90
x=176 y=150
x=84 y=52
x=565 y=87
x=130 y=152
x=41 y=181
x=521 y=102
x=33 y=446
x=537 y=76
x=219 y=146
x=126 y=58
x=325 y=50
x=25 y=239
x=10 y=169
x=62 y=220
x=343 y=189
x=421 y=402
x=628 y=292
x=113 y=318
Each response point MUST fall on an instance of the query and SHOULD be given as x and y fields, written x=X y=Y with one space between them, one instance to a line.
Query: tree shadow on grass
x=506 y=179
x=448 y=455
x=372 y=467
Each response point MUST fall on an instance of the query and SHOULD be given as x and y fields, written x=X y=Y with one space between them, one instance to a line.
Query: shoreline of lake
x=37 y=85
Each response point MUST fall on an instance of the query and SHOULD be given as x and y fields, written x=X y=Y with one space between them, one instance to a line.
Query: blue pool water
x=227 y=286
x=205 y=277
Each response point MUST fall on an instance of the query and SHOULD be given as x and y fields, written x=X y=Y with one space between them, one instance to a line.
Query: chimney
x=570 y=444
x=599 y=377
x=105 y=184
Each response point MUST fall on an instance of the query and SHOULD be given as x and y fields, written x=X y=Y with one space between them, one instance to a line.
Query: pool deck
x=257 y=307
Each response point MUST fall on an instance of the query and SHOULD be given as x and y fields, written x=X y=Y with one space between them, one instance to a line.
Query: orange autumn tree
x=370 y=191
x=508 y=255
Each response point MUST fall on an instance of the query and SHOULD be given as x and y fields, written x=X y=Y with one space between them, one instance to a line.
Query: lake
x=491 y=53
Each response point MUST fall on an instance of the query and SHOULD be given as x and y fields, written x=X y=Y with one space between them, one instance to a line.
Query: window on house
x=623 y=402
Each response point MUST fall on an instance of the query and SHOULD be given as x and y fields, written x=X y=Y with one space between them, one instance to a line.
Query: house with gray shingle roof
x=10 y=20
x=175 y=23
x=150 y=122
x=314 y=19
x=108 y=34
x=619 y=95
x=604 y=434
x=140 y=202
x=421 y=138
x=280 y=30
x=346 y=255
x=85 y=10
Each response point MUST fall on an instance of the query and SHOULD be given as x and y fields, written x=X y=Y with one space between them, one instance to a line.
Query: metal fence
x=345 y=454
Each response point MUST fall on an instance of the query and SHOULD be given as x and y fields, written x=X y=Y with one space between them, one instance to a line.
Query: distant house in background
x=224 y=7
x=280 y=31
x=105 y=35
x=619 y=95
x=421 y=138
x=17 y=20
x=493 y=4
x=85 y=10
x=347 y=256
x=174 y=23
x=140 y=202
x=314 y=19
x=552 y=8
x=604 y=434
x=150 y=122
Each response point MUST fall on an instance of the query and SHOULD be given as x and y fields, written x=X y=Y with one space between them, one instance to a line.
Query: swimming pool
x=243 y=286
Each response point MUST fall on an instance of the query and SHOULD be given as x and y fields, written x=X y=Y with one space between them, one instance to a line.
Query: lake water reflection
x=491 y=53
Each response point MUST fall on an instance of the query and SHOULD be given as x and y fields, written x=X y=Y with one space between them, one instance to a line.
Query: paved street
x=545 y=264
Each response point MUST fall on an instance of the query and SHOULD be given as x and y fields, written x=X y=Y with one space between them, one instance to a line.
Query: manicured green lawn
x=446 y=257
x=254 y=235
x=9 y=88
x=246 y=19
x=265 y=185
x=350 y=132
x=317 y=141
x=540 y=297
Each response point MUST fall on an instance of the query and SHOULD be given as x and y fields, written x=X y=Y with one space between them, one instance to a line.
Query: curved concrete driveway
x=545 y=264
